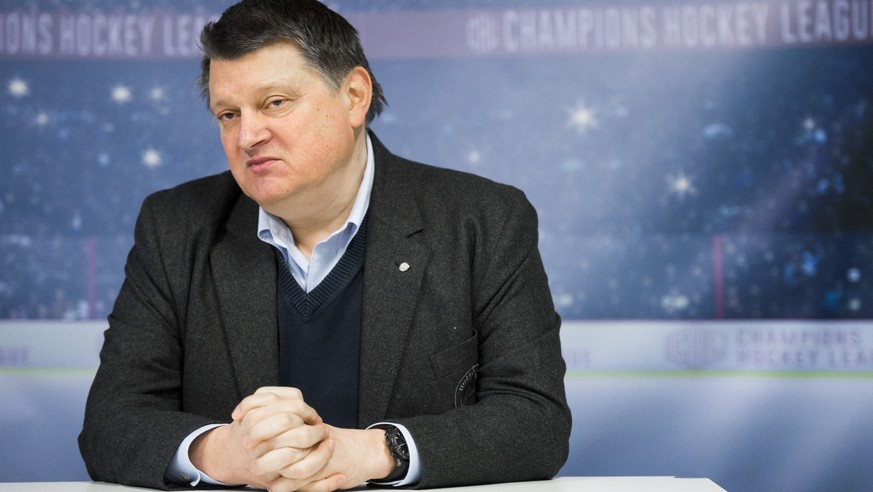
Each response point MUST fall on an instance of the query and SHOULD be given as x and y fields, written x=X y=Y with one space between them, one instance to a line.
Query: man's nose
x=253 y=130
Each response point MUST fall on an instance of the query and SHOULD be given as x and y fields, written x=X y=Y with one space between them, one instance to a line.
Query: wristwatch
x=399 y=452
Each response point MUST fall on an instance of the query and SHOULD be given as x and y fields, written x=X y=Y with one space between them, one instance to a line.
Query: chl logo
x=465 y=392
x=483 y=34
x=696 y=348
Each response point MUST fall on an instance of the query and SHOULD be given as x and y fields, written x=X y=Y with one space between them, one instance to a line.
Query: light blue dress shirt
x=308 y=273
x=328 y=252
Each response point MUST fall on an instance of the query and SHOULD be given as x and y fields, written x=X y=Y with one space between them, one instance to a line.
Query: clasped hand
x=278 y=442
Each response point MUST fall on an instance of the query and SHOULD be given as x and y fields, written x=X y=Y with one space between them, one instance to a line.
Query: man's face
x=289 y=137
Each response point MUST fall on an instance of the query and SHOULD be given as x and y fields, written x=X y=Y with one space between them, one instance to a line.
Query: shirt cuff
x=182 y=471
x=413 y=475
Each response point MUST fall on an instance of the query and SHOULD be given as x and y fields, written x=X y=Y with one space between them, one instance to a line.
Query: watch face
x=398 y=443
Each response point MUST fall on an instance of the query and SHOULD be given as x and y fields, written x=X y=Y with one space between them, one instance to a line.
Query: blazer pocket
x=455 y=370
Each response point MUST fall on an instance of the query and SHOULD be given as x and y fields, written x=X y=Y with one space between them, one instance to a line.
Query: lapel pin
x=403 y=266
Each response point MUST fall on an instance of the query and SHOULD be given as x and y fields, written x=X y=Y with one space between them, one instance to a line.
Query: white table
x=562 y=484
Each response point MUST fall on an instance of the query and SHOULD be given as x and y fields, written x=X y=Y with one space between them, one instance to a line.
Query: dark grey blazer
x=462 y=347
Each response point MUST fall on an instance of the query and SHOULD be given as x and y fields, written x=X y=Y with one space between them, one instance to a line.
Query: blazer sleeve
x=515 y=422
x=133 y=419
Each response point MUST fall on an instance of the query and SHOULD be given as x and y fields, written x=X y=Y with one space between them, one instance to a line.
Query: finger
x=307 y=467
x=275 y=461
x=261 y=406
x=328 y=484
x=281 y=425
x=302 y=437
x=283 y=484
x=271 y=426
x=283 y=391
x=264 y=396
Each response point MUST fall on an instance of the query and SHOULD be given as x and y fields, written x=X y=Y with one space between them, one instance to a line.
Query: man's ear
x=358 y=90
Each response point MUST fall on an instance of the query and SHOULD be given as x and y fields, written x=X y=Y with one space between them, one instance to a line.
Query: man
x=325 y=314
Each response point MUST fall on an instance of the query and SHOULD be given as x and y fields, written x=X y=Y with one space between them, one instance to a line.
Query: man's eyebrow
x=214 y=105
x=283 y=85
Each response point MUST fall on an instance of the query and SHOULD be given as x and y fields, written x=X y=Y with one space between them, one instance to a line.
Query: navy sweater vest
x=320 y=335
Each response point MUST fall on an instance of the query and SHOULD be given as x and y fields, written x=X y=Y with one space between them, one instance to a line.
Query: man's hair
x=327 y=42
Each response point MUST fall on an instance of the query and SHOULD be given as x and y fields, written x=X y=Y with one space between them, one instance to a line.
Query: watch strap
x=396 y=443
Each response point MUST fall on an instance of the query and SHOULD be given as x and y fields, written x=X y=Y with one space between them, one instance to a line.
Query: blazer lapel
x=395 y=263
x=244 y=269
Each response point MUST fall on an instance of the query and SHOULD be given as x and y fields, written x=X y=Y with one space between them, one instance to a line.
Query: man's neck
x=316 y=216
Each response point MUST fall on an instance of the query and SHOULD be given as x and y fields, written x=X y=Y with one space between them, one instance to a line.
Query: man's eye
x=226 y=116
x=275 y=103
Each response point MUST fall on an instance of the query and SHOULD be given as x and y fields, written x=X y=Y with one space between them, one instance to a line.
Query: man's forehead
x=270 y=54
x=265 y=66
